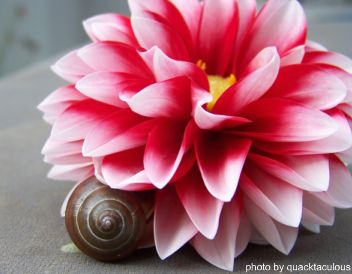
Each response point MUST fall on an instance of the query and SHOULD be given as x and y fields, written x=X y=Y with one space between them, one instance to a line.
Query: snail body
x=104 y=223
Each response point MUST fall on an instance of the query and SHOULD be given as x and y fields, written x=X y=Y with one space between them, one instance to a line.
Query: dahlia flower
x=239 y=124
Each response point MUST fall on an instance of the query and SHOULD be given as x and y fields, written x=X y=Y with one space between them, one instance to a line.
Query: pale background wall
x=32 y=30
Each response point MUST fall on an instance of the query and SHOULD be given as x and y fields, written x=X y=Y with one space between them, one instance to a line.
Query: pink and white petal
x=172 y=228
x=120 y=131
x=208 y=120
x=106 y=87
x=117 y=139
x=165 y=13
x=246 y=15
x=307 y=172
x=114 y=57
x=60 y=99
x=185 y=166
x=57 y=109
x=221 y=250
x=293 y=56
x=280 y=120
x=165 y=68
x=71 y=67
x=77 y=172
x=309 y=85
x=314 y=46
x=339 y=193
x=257 y=238
x=345 y=156
x=344 y=76
x=110 y=27
x=278 y=199
x=329 y=58
x=243 y=235
x=280 y=236
x=97 y=162
x=220 y=160
x=49 y=118
x=170 y=99
x=202 y=208
x=338 y=142
x=61 y=148
x=166 y=146
x=151 y=33
x=69 y=159
x=125 y=170
x=217 y=32
x=258 y=77
x=148 y=57
x=315 y=228
x=316 y=211
x=191 y=13
x=76 y=121
x=286 y=23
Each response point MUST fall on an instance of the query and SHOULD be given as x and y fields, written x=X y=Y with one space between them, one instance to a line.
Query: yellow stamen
x=218 y=85
x=201 y=64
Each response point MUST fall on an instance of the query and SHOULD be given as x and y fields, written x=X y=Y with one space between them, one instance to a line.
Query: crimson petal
x=124 y=170
x=208 y=120
x=121 y=131
x=309 y=85
x=280 y=120
x=162 y=17
x=258 y=77
x=284 y=21
x=76 y=121
x=108 y=87
x=163 y=156
x=170 y=98
x=217 y=34
x=220 y=160
x=191 y=12
x=329 y=58
x=340 y=141
x=202 y=208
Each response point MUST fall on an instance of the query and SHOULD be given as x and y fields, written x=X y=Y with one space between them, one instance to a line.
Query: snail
x=107 y=224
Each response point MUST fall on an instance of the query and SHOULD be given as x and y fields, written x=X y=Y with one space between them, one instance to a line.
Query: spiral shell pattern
x=104 y=223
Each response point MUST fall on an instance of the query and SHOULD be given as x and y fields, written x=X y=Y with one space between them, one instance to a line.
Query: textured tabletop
x=32 y=231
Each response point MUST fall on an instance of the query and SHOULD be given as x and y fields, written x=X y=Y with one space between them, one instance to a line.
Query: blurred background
x=34 y=30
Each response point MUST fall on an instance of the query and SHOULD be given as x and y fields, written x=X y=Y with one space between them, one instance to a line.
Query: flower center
x=218 y=84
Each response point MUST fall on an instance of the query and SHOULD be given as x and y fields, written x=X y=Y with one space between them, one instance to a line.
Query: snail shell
x=105 y=223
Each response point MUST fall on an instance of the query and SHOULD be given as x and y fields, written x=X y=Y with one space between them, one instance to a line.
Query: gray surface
x=32 y=232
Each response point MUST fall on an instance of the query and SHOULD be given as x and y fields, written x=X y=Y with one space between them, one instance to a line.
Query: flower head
x=236 y=121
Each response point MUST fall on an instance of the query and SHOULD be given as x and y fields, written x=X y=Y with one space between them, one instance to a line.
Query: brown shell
x=105 y=223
